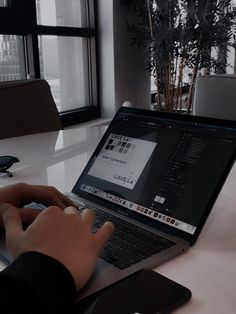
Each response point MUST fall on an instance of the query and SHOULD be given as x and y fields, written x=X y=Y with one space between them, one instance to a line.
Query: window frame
x=20 y=18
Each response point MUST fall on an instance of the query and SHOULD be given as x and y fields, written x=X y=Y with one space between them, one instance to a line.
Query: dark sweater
x=36 y=283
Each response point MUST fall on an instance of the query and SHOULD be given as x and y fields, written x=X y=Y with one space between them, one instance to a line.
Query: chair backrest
x=27 y=107
x=215 y=96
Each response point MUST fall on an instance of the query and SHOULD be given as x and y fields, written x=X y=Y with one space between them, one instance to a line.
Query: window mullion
x=32 y=41
x=65 y=31
x=32 y=56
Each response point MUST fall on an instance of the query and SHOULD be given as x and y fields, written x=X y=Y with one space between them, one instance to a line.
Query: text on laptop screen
x=162 y=169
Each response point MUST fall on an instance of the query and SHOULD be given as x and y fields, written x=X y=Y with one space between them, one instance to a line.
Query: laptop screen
x=165 y=167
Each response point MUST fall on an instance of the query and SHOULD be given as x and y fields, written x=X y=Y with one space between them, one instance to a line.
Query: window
x=3 y=3
x=55 y=40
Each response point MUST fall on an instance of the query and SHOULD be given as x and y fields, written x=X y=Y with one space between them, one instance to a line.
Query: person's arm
x=36 y=283
x=59 y=245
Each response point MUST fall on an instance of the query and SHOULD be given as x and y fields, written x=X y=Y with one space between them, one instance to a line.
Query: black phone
x=145 y=292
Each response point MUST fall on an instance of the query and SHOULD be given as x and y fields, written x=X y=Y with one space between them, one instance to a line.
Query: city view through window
x=63 y=59
x=3 y=3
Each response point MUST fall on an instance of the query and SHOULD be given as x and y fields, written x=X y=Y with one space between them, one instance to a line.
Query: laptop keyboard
x=129 y=244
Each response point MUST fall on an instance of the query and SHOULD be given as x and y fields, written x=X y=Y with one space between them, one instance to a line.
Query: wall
x=122 y=67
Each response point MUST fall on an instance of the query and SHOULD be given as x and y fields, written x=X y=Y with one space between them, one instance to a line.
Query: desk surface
x=207 y=269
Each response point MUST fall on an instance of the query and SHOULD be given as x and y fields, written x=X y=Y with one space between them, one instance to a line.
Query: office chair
x=215 y=96
x=27 y=107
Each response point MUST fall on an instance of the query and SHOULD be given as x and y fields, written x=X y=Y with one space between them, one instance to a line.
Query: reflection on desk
x=53 y=158
x=207 y=269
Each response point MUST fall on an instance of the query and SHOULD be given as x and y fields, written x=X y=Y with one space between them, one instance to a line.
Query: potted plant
x=179 y=37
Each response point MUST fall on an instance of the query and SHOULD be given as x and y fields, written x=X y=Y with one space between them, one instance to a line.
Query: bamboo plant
x=179 y=37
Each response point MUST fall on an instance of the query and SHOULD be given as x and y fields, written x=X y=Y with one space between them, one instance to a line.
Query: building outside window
x=12 y=65
x=55 y=40
x=3 y=3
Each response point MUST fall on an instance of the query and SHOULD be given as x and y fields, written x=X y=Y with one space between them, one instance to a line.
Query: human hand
x=21 y=194
x=64 y=235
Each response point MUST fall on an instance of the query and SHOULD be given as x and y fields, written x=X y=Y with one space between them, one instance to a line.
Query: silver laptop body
x=159 y=172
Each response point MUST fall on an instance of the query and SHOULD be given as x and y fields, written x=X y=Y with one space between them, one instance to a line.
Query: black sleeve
x=36 y=283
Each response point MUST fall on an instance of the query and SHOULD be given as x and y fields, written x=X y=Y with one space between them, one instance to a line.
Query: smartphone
x=145 y=292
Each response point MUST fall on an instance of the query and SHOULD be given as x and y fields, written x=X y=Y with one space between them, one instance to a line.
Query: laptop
x=156 y=176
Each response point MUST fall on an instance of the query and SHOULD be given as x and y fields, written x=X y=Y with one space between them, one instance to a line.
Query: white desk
x=208 y=269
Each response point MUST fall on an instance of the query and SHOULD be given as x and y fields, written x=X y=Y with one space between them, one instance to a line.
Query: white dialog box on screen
x=122 y=160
